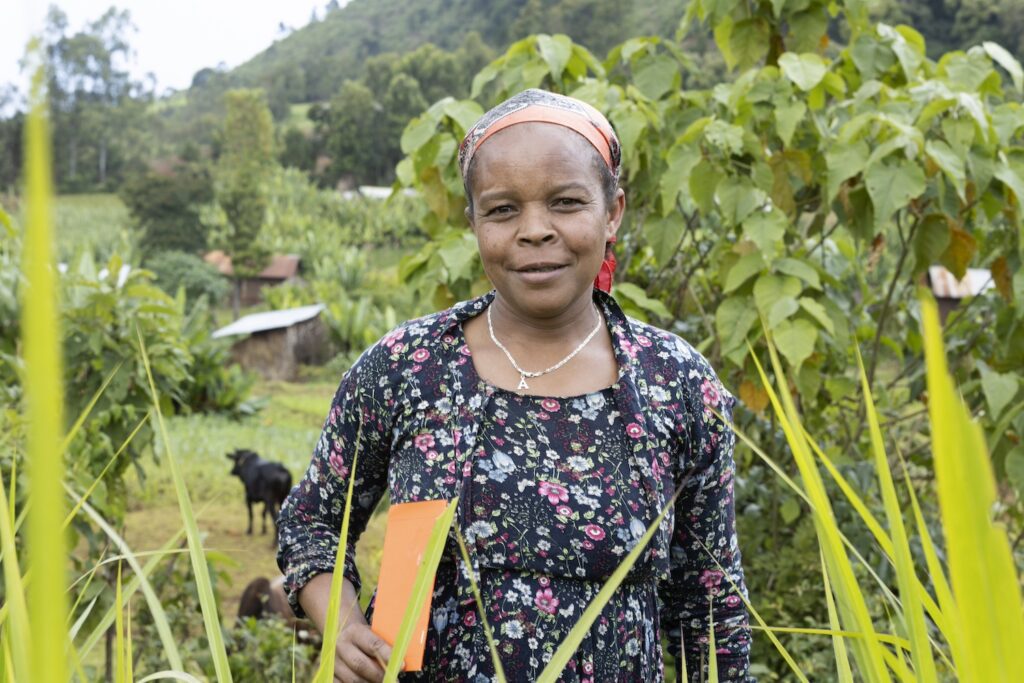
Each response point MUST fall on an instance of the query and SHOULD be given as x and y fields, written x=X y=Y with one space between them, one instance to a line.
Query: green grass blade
x=41 y=338
x=17 y=659
x=712 y=648
x=581 y=628
x=293 y=653
x=420 y=589
x=947 y=623
x=119 y=670
x=850 y=600
x=906 y=577
x=325 y=672
x=156 y=610
x=843 y=671
x=70 y=436
x=794 y=667
x=201 y=570
x=129 y=673
x=103 y=472
x=499 y=670
x=985 y=583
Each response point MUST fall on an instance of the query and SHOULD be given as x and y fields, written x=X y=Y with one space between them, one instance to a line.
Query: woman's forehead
x=544 y=146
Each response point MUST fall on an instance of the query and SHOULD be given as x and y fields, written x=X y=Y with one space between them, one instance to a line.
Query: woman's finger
x=373 y=645
x=361 y=662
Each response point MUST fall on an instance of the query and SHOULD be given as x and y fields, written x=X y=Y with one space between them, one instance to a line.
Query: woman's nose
x=535 y=227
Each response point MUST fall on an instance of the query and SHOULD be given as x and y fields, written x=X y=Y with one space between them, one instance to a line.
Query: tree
x=97 y=109
x=247 y=155
x=352 y=137
x=165 y=208
x=11 y=133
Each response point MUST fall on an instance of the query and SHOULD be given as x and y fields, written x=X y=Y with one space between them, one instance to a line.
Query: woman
x=563 y=426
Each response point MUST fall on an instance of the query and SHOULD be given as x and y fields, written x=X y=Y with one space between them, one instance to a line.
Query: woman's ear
x=616 y=211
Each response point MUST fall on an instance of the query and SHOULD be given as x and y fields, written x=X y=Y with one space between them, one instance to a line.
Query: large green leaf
x=1003 y=58
x=769 y=289
x=795 y=340
x=999 y=390
x=951 y=163
x=748 y=41
x=844 y=161
x=804 y=70
x=787 y=118
x=556 y=51
x=930 y=241
x=766 y=229
x=738 y=198
x=742 y=270
x=892 y=186
x=656 y=75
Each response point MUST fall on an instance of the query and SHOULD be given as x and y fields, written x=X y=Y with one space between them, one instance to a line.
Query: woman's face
x=540 y=217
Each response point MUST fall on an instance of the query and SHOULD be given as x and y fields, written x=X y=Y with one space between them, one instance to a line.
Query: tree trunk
x=103 y=162
x=236 y=298
x=72 y=158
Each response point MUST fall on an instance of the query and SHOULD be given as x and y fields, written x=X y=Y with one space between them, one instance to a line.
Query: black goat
x=265 y=482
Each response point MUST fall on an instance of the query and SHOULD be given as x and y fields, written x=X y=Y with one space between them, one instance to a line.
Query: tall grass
x=977 y=614
x=47 y=603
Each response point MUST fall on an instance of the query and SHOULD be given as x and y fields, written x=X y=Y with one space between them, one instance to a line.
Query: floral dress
x=554 y=492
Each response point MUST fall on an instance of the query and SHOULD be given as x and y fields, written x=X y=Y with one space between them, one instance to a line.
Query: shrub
x=165 y=208
x=177 y=269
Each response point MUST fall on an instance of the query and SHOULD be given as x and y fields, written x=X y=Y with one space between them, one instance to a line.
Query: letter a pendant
x=522 y=383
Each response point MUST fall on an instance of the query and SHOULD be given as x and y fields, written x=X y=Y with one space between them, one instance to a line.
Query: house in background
x=275 y=343
x=948 y=291
x=282 y=268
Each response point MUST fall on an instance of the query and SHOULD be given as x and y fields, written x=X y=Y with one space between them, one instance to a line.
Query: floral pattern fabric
x=553 y=493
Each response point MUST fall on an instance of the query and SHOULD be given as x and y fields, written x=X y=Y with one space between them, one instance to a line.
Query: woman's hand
x=360 y=655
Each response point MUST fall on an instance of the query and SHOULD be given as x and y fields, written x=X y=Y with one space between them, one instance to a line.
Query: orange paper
x=405 y=542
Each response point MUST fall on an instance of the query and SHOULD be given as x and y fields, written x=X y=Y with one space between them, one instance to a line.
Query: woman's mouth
x=537 y=273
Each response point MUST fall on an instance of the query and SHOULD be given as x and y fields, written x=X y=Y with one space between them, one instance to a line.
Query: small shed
x=282 y=268
x=276 y=342
x=949 y=291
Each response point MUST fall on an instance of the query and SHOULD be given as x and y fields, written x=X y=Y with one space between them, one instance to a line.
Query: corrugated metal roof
x=270 y=320
x=945 y=285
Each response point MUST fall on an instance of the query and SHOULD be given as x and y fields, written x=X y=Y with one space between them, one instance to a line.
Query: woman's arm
x=354 y=445
x=706 y=574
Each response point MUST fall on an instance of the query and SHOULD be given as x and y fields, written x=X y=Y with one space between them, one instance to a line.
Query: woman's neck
x=512 y=325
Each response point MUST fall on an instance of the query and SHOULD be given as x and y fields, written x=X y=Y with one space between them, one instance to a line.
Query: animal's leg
x=264 y=516
x=248 y=503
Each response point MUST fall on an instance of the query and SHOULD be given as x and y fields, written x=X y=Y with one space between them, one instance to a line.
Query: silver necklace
x=523 y=374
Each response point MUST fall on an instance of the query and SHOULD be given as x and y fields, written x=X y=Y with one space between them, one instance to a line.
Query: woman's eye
x=567 y=201
x=499 y=210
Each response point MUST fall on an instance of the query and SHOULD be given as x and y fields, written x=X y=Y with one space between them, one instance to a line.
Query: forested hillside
x=311 y=63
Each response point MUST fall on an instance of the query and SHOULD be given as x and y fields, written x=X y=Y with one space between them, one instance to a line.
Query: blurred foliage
x=179 y=270
x=246 y=159
x=165 y=208
x=104 y=311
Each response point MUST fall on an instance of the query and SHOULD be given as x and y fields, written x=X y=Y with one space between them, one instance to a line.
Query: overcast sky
x=175 y=38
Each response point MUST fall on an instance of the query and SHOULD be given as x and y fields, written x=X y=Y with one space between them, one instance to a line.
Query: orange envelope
x=405 y=542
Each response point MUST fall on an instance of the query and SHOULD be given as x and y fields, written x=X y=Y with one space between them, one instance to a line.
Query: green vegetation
x=791 y=173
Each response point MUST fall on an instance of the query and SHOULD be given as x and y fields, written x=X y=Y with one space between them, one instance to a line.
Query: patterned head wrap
x=541 y=106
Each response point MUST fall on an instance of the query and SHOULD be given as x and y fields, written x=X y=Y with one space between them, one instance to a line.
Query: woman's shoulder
x=668 y=349
x=431 y=332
